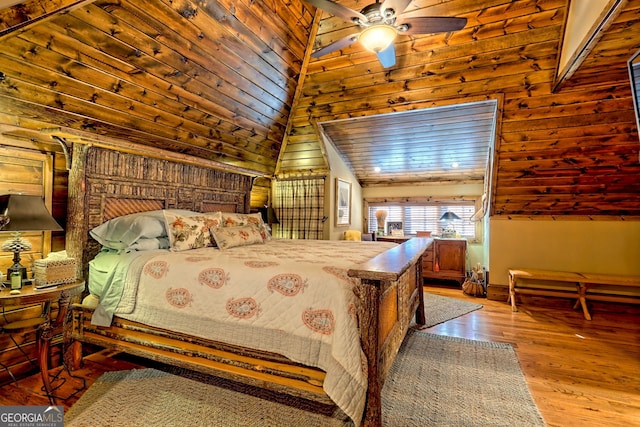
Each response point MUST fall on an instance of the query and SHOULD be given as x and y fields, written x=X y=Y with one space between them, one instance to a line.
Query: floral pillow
x=230 y=237
x=237 y=219
x=191 y=232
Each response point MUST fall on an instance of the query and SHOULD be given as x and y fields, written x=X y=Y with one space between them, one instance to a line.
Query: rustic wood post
x=75 y=237
x=369 y=325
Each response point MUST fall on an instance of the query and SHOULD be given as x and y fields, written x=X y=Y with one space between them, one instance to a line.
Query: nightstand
x=45 y=326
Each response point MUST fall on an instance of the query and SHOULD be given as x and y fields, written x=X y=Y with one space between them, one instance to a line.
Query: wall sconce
x=18 y=213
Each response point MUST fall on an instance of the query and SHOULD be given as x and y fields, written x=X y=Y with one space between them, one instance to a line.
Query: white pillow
x=146 y=244
x=121 y=232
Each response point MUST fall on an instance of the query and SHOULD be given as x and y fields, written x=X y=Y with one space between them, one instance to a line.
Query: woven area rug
x=439 y=309
x=435 y=381
x=446 y=381
x=154 y=398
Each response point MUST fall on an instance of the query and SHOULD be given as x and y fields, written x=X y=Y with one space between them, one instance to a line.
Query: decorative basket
x=54 y=272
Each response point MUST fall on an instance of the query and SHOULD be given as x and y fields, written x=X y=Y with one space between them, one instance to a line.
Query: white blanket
x=290 y=297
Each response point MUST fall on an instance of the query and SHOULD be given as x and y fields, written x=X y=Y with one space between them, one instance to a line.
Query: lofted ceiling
x=232 y=82
x=449 y=143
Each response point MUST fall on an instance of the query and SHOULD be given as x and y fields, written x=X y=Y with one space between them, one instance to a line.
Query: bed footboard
x=260 y=369
x=392 y=295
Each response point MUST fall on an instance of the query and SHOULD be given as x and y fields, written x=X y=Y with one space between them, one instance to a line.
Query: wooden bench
x=593 y=286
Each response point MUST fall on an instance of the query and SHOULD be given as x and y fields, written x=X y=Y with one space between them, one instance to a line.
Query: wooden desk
x=63 y=294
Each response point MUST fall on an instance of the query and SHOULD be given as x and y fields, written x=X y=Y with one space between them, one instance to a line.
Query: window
x=426 y=217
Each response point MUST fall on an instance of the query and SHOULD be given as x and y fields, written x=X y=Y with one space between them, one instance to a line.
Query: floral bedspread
x=291 y=297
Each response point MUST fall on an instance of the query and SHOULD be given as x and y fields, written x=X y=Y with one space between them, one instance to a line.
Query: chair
x=12 y=328
x=368 y=237
x=37 y=324
x=354 y=235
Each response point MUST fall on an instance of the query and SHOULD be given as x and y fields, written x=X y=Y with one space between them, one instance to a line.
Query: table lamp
x=449 y=230
x=19 y=212
x=381 y=217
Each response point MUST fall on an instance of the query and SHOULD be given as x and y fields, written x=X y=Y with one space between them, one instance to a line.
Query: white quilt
x=290 y=297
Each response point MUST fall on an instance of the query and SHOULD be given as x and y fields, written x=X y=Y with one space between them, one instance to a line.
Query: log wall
x=25 y=169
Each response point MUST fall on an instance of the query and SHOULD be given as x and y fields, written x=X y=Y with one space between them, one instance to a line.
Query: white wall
x=611 y=247
x=339 y=169
x=582 y=21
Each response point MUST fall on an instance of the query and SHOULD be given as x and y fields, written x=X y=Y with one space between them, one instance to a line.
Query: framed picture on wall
x=343 y=202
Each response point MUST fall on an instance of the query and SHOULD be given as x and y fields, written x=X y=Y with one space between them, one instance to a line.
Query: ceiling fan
x=381 y=23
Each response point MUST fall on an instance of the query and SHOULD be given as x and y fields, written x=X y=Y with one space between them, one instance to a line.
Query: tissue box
x=54 y=271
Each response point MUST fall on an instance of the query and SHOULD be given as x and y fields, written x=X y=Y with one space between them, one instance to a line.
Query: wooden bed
x=113 y=184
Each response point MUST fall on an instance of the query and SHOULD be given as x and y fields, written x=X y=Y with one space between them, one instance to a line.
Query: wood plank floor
x=580 y=373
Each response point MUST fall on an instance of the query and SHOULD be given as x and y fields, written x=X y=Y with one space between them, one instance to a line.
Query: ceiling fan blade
x=398 y=6
x=387 y=57
x=431 y=24
x=338 y=10
x=337 y=45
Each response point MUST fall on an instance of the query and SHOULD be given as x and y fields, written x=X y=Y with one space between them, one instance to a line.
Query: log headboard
x=105 y=184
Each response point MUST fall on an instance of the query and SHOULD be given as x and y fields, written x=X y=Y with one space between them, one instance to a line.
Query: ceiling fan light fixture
x=377 y=38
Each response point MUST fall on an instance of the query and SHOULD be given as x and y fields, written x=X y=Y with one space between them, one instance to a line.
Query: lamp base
x=449 y=232
x=20 y=268
x=17 y=245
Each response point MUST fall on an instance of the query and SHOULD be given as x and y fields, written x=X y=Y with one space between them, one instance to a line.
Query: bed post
x=77 y=233
x=369 y=326
x=391 y=294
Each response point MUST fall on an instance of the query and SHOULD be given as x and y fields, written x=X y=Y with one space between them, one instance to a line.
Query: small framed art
x=343 y=202
x=395 y=228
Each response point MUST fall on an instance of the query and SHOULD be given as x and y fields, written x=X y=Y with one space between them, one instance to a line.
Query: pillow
x=146 y=244
x=191 y=232
x=237 y=219
x=121 y=232
x=230 y=237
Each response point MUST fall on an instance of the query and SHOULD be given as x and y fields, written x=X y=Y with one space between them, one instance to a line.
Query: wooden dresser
x=445 y=259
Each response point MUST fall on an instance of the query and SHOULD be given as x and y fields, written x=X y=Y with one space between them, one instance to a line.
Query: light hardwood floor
x=580 y=373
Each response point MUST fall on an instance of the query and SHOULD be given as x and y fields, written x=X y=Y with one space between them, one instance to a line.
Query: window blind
x=426 y=217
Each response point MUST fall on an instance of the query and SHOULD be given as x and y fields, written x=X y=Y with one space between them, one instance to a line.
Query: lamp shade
x=377 y=37
x=26 y=213
x=449 y=216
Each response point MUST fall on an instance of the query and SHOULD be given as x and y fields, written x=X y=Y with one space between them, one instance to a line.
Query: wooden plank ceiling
x=215 y=80
x=231 y=81
x=434 y=144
